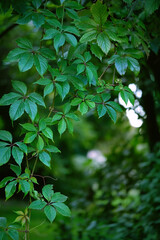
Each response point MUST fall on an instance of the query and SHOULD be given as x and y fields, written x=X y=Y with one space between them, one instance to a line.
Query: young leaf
x=19 y=87
x=51 y=148
x=40 y=143
x=10 y=189
x=38 y=205
x=61 y=126
x=62 y=209
x=29 y=127
x=16 y=110
x=17 y=155
x=5 y=136
x=48 y=192
x=25 y=62
x=45 y=158
x=5 y=155
x=83 y=108
x=50 y=213
x=29 y=137
x=40 y=63
x=48 y=133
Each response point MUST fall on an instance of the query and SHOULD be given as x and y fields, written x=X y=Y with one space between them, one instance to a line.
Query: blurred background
x=110 y=172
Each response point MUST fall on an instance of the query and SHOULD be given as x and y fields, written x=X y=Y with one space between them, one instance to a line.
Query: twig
x=104 y=72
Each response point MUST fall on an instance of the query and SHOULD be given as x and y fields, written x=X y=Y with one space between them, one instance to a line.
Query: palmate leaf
x=38 y=19
x=25 y=186
x=71 y=39
x=62 y=126
x=62 y=209
x=101 y=109
x=29 y=137
x=59 y=41
x=45 y=158
x=48 y=133
x=112 y=113
x=47 y=53
x=30 y=108
x=40 y=143
x=24 y=43
x=38 y=205
x=58 y=197
x=89 y=36
x=15 y=54
x=10 y=189
x=37 y=98
x=16 y=169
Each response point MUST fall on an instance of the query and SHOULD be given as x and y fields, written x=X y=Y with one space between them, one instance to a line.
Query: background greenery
x=118 y=199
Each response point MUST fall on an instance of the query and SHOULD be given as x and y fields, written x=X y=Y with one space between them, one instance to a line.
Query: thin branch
x=104 y=72
x=8 y=29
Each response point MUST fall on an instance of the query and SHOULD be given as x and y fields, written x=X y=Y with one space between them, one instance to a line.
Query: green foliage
x=76 y=63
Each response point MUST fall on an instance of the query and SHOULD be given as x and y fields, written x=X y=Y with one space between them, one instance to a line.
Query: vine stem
x=35 y=163
x=104 y=72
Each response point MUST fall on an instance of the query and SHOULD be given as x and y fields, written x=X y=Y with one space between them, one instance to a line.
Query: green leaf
x=115 y=105
x=47 y=53
x=72 y=116
x=59 y=41
x=80 y=68
x=83 y=108
x=50 y=213
x=76 y=101
x=58 y=197
x=24 y=43
x=13 y=233
x=50 y=33
x=61 y=126
x=25 y=186
x=89 y=36
x=22 y=146
x=112 y=113
x=40 y=143
x=71 y=13
x=5 y=181
x=42 y=124
x=35 y=97
x=45 y=158
x=5 y=155
x=125 y=95
x=90 y=104
x=25 y=62
x=133 y=65
x=9 y=98
x=48 y=89
x=63 y=89
x=30 y=108
x=53 y=149
x=151 y=6
x=38 y=205
x=29 y=137
x=71 y=39
x=54 y=22
x=40 y=63
x=19 y=87
x=43 y=81
x=89 y=74
x=38 y=19
x=16 y=169
x=48 y=192
x=29 y=127
x=62 y=209
x=10 y=189
x=99 y=12
x=48 y=133
x=5 y=136
x=69 y=126
x=101 y=109
x=16 y=110
x=15 y=54
x=3 y=222
x=17 y=155
x=104 y=42
x=3 y=144
x=97 y=51
x=121 y=65
x=36 y=3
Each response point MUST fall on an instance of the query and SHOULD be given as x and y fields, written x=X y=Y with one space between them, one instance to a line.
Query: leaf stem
x=35 y=163
x=104 y=72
